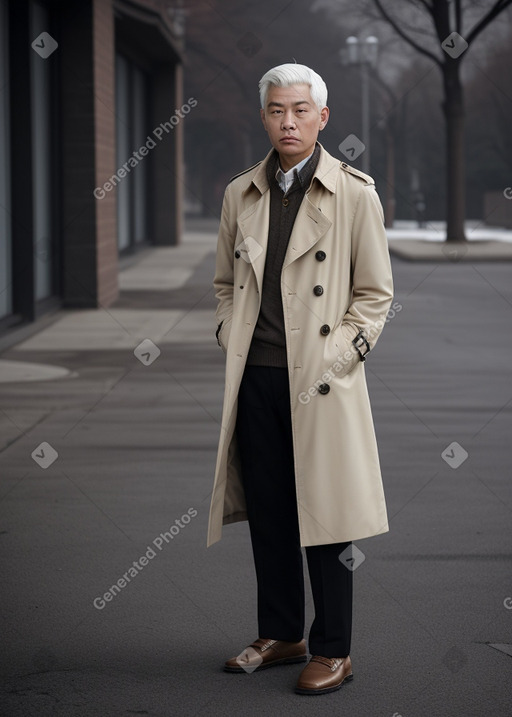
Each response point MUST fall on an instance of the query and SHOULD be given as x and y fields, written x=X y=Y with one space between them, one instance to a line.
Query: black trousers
x=265 y=440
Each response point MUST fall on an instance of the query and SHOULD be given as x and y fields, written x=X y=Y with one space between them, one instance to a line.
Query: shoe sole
x=274 y=663
x=325 y=690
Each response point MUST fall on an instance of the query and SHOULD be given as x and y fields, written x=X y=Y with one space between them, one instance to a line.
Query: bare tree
x=447 y=18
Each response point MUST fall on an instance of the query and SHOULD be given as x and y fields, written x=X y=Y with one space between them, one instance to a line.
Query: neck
x=287 y=163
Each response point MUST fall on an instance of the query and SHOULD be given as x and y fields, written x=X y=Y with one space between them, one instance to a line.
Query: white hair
x=292 y=74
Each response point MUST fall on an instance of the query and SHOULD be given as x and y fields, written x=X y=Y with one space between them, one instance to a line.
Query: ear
x=324 y=117
x=262 y=115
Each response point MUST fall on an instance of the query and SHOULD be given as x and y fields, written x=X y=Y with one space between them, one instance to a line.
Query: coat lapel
x=310 y=224
x=253 y=224
x=309 y=227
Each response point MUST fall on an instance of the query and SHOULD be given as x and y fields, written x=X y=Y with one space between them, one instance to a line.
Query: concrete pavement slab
x=105 y=329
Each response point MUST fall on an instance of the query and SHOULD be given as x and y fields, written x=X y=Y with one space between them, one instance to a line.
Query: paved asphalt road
x=136 y=449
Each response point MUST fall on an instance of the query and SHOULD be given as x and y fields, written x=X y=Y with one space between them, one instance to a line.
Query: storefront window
x=41 y=159
x=131 y=134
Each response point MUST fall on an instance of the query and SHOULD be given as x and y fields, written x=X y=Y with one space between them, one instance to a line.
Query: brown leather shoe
x=267 y=653
x=324 y=674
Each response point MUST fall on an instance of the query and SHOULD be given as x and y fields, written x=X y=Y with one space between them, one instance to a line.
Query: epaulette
x=361 y=175
x=245 y=171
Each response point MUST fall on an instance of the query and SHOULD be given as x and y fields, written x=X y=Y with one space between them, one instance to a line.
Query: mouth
x=289 y=140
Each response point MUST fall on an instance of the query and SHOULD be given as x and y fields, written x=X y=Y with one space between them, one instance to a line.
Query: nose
x=288 y=120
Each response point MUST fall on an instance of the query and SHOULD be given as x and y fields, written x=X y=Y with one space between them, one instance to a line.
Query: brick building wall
x=63 y=140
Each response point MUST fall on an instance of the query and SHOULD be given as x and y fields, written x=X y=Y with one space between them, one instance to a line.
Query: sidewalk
x=409 y=242
x=128 y=494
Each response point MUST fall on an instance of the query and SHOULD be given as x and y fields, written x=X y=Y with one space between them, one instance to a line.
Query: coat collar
x=325 y=173
x=309 y=227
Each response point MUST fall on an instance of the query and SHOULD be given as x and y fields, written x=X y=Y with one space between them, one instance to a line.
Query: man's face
x=293 y=122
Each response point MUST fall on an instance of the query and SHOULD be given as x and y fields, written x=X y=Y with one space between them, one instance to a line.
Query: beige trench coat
x=340 y=495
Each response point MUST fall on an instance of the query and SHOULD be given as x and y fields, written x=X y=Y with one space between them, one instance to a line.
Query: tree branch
x=406 y=37
x=427 y=7
x=441 y=19
x=458 y=16
x=498 y=7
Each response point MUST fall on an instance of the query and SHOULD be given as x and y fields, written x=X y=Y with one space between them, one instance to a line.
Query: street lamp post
x=363 y=54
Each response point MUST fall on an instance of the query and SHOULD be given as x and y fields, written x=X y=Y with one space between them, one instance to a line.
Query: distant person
x=303 y=283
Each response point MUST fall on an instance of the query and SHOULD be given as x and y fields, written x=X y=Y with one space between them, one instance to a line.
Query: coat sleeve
x=372 y=282
x=223 y=280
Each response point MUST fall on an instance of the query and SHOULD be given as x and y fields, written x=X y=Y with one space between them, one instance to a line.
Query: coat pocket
x=347 y=355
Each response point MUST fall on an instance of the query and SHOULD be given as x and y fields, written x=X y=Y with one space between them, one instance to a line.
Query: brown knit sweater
x=268 y=346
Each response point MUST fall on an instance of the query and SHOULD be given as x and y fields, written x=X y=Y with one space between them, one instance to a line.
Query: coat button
x=318 y=290
x=320 y=255
x=326 y=329
x=237 y=254
x=285 y=202
x=324 y=388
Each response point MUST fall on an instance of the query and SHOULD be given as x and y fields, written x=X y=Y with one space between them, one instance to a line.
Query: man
x=303 y=283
